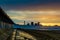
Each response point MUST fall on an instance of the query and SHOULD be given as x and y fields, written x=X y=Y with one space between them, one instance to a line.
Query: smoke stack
x=24 y=22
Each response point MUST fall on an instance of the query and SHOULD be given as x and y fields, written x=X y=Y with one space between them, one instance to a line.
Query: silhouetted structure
x=35 y=24
x=38 y=23
x=24 y=22
x=55 y=25
x=32 y=23
x=28 y=24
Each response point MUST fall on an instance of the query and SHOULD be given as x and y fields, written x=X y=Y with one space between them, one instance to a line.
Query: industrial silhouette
x=7 y=29
x=34 y=24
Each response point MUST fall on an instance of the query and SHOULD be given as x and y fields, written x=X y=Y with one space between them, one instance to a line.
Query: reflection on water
x=24 y=36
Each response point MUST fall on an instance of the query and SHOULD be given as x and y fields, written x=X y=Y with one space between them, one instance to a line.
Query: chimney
x=24 y=22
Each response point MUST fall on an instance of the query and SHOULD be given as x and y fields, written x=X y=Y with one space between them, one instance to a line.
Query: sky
x=47 y=12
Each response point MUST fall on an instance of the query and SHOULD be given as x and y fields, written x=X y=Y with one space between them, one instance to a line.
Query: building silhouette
x=32 y=23
x=28 y=24
x=38 y=23
x=35 y=24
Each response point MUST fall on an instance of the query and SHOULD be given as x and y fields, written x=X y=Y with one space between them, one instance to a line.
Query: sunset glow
x=45 y=17
x=46 y=12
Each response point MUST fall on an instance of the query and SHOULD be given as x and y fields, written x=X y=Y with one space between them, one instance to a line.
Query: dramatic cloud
x=44 y=11
x=41 y=16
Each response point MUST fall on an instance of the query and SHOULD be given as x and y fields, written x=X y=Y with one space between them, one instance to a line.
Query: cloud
x=41 y=16
x=45 y=11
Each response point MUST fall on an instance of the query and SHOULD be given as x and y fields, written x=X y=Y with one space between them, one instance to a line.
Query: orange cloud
x=51 y=17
